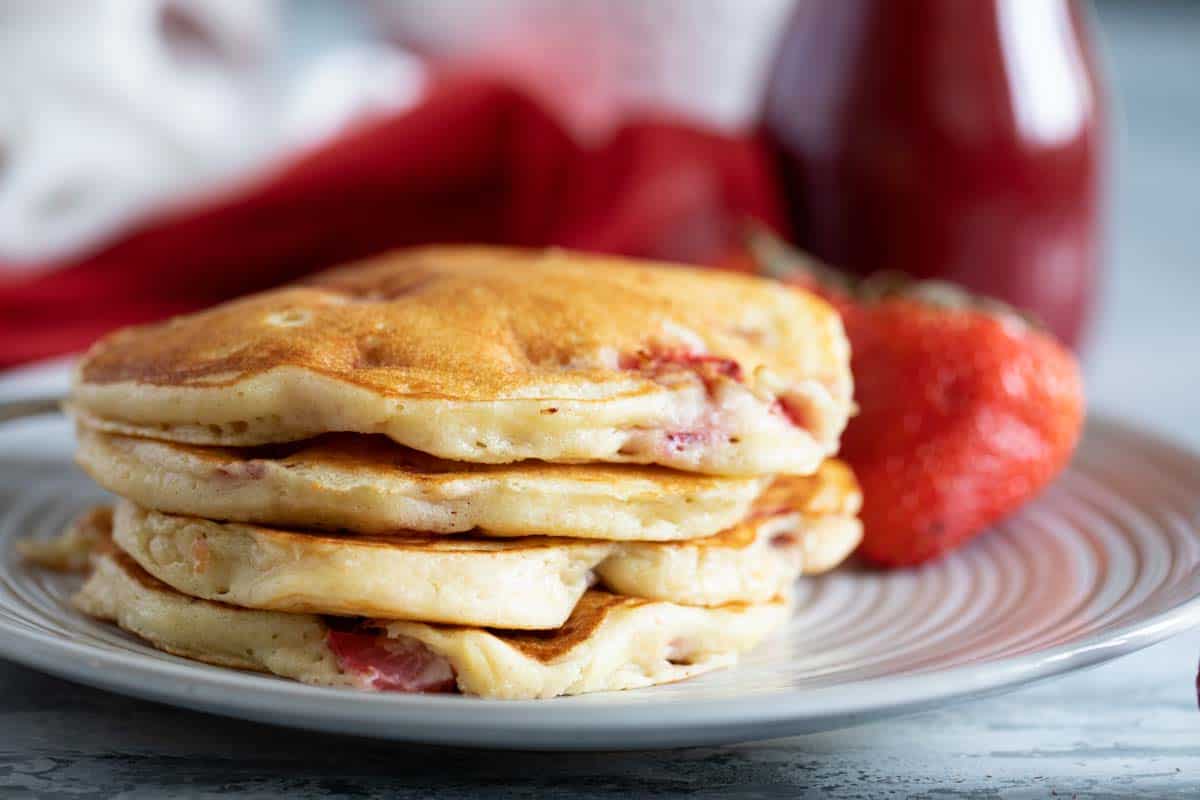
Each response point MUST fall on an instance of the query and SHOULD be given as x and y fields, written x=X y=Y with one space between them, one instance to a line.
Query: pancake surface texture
x=800 y=525
x=492 y=355
x=530 y=583
x=369 y=484
x=120 y=591
x=609 y=643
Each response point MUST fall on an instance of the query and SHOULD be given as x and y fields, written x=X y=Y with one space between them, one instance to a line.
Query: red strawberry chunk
x=681 y=440
x=794 y=412
x=661 y=362
x=391 y=664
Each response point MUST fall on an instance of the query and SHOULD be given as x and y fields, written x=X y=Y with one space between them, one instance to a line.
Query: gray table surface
x=1127 y=728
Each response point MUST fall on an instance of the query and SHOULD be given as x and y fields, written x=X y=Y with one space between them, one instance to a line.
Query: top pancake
x=493 y=355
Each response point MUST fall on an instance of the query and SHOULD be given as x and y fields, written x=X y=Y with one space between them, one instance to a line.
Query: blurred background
x=161 y=155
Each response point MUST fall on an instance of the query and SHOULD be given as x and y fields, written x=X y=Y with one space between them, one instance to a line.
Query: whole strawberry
x=966 y=410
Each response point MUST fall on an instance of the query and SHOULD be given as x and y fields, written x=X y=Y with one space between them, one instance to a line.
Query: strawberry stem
x=779 y=260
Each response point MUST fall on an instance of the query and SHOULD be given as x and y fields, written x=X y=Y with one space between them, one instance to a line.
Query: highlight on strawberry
x=966 y=408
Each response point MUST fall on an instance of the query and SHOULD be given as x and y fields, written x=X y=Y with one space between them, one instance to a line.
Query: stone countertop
x=1128 y=728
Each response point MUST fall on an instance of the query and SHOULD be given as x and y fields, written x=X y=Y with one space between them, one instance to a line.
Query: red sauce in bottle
x=947 y=138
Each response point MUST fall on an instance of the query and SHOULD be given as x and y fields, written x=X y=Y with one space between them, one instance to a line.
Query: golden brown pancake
x=800 y=525
x=369 y=484
x=609 y=642
x=493 y=355
x=529 y=583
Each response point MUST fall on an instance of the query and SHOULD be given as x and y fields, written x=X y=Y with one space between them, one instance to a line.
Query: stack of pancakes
x=513 y=474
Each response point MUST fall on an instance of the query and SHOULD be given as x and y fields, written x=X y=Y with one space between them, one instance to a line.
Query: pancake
x=609 y=642
x=368 y=484
x=120 y=591
x=530 y=583
x=800 y=525
x=492 y=355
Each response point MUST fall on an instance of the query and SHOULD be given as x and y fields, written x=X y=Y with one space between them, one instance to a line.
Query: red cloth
x=476 y=161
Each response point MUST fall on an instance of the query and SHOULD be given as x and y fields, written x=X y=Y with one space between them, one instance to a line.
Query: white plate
x=1108 y=561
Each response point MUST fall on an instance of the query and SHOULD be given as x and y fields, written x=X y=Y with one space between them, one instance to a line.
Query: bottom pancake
x=610 y=642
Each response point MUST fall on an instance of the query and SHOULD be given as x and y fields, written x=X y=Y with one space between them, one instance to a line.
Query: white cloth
x=112 y=109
